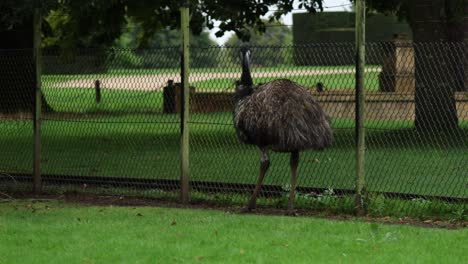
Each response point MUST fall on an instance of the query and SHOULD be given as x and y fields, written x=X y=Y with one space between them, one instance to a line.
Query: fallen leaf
x=200 y=257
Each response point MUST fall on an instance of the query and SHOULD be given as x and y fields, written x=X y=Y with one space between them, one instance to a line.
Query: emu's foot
x=291 y=212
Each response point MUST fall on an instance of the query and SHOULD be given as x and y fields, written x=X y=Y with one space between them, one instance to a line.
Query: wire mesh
x=429 y=158
x=217 y=156
x=402 y=160
x=107 y=127
x=16 y=126
x=112 y=119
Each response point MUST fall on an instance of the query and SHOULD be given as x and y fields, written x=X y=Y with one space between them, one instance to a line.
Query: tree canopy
x=449 y=14
x=95 y=22
x=275 y=35
x=127 y=54
x=86 y=22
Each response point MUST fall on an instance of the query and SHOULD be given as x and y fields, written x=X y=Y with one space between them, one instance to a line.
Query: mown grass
x=126 y=135
x=147 y=146
x=55 y=232
x=236 y=68
x=83 y=101
x=330 y=80
x=52 y=78
x=340 y=81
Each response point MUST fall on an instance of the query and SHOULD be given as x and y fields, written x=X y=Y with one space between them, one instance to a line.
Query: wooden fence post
x=184 y=113
x=37 y=179
x=360 y=106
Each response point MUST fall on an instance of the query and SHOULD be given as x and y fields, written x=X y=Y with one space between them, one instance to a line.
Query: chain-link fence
x=16 y=126
x=111 y=120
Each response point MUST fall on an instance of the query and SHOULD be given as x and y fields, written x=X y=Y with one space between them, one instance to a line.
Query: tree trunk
x=435 y=92
x=17 y=70
x=457 y=32
x=436 y=79
x=464 y=24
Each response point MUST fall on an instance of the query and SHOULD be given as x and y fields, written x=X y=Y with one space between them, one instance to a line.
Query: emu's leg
x=294 y=161
x=264 y=165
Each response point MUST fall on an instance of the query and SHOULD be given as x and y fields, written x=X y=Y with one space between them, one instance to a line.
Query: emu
x=280 y=116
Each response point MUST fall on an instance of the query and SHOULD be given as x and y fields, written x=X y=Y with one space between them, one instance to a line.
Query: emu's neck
x=242 y=92
x=246 y=78
x=245 y=86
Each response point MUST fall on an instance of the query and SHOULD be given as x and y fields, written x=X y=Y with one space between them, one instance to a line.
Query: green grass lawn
x=82 y=101
x=330 y=81
x=147 y=146
x=52 y=78
x=56 y=232
x=236 y=68
x=127 y=136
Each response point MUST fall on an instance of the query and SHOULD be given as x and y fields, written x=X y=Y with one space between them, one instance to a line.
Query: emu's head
x=245 y=56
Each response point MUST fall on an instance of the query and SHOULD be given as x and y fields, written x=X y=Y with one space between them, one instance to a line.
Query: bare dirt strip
x=155 y=82
x=90 y=199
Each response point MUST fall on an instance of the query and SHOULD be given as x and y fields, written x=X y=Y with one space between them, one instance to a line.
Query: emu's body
x=282 y=116
x=279 y=115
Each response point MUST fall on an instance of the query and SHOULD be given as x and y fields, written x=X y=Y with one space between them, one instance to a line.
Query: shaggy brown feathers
x=283 y=116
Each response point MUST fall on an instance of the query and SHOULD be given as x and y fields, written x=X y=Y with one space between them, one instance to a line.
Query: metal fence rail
x=111 y=119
